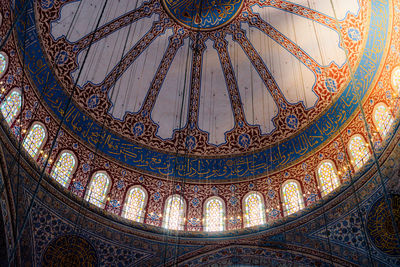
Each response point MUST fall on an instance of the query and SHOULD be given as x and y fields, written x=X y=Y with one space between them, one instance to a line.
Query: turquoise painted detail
x=235 y=167
x=203 y=14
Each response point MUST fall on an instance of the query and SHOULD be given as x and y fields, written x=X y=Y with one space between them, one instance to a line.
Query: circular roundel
x=3 y=63
x=396 y=78
x=380 y=226
x=203 y=15
x=69 y=250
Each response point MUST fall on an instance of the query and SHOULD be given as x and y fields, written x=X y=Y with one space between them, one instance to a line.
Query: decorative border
x=240 y=167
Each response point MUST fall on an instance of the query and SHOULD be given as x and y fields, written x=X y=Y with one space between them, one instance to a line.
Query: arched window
x=135 y=203
x=98 y=189
x=396 y=79
x=383 y=119
x=214 y=213
x=359 y=151
x=253 y=209
x=3 y=63
x=64 y=168
x=11 y=106
x=328 y=179
x=292 y=197
x=35 y=139
x=174 y=213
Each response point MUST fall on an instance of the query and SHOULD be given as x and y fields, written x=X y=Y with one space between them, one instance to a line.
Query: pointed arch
x=35 y=139
x=253 y=209
x=135 y=204
x=328 y=179
x=98 y=189
x=214 y=214
x=174 y=213
x=382 y=118
x=11 y=105
x=292 y=197
x=358 y=151
x=64 y=167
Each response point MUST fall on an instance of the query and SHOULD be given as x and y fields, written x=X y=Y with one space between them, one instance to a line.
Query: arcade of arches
x=200 y=133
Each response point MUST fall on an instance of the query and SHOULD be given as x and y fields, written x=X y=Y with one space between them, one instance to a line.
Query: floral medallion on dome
x=203 y=15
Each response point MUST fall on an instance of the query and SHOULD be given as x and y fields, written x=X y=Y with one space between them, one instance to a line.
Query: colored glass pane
x=254 y=212
x=214 y=220
x=98 y=189
x=396 y=78
x=358 y=151
x=383 y=119
x=174 y=213
x=327 y=178
x=63 y=168
x=34 y=139
x=292 y=198
x=3 y=63
x=11 y=106
x=134 y=205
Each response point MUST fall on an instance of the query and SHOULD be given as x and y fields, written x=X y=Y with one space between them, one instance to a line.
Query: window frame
x=145 y=201
x=302 y=200
x=263 y=211
x=73 y=168
x=205 y=226
x=104 y=202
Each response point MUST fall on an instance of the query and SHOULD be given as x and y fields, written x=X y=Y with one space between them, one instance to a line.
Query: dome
x=206 y=119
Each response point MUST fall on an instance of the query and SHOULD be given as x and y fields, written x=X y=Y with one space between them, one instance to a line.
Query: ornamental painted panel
x=70 y=250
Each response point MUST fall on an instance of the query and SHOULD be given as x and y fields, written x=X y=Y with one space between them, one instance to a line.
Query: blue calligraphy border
x=239 y=167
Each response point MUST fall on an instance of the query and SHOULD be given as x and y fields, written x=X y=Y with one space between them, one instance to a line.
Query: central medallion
x=203 y=14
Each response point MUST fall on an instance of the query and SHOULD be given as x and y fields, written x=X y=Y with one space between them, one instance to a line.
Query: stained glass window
x=253 y=210
x=328 y=178
x=11 y=106
x=383 y=119
x=62 y=170
x=292 y=198
x=359 y=151
x=33 y=141
x=214 y=215
x=396 y=78
x=134 y=204
x=3 y=63
x=98 y=189
x=174 y=213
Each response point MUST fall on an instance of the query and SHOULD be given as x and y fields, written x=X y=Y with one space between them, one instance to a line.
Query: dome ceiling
x=231 y=88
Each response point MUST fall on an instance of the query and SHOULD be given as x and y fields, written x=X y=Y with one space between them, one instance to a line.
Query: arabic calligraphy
x=203 y=15
x=235 y=167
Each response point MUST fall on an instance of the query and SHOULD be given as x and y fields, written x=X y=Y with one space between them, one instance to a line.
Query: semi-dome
x=219 y=118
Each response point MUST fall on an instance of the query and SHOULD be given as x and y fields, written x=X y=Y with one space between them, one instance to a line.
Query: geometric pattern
x=98 y=189
x=62 y=170
x=134 y=205
x=174 y=213
x=254 y=210
x=34 y=140
x=214 y=217
x=11 y=106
